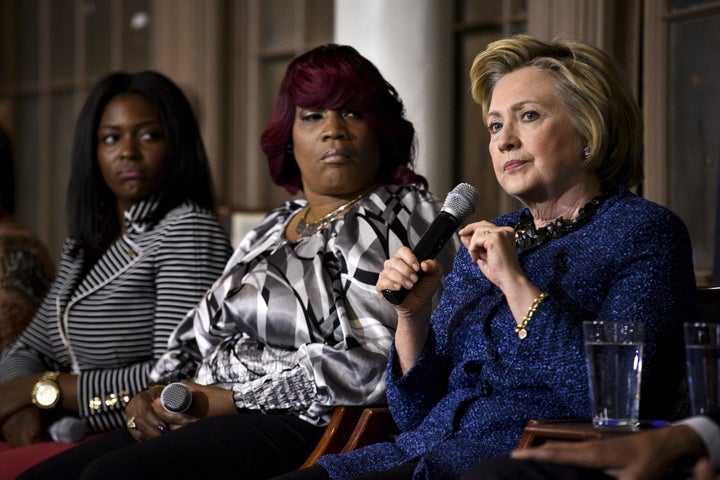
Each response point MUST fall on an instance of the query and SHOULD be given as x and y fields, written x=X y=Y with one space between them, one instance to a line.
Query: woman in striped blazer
x=143 y=246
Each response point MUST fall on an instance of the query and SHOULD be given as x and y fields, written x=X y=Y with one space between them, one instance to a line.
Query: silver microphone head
x=461 y=201
x=176 y=397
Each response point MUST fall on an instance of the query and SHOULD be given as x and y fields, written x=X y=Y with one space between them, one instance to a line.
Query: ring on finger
x=131 y=423
x=485 y=232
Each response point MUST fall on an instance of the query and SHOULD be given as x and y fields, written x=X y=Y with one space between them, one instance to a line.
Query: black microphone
x=459 y=205
x=176 y=397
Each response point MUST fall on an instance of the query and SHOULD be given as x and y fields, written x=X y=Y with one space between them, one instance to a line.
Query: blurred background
x=229 y=56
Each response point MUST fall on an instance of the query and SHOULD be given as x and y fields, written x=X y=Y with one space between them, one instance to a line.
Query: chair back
x=708 y=304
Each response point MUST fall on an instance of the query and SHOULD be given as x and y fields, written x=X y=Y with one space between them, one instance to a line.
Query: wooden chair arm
x=336 y=433
x=375 y=425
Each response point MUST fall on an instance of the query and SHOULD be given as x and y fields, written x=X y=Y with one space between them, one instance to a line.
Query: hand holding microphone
x=459 y=205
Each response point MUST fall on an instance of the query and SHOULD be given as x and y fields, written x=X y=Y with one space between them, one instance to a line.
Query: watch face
x=46 y=394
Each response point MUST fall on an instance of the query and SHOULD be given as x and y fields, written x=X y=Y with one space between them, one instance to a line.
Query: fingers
x=169 y=418
x=143 y=428
x=399 y=272
x=24 y=427
x=477 y=228
x=140 y=417
x=571 y=453
x=704 y=470
x=477 y=237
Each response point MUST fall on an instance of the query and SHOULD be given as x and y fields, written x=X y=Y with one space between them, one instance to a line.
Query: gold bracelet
x=521 y=329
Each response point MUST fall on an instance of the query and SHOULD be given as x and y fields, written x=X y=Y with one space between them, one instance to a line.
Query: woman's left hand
x=492 y=248
x=15 y=395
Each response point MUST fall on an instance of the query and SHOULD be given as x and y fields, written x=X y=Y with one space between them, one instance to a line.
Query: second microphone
x=176 y=398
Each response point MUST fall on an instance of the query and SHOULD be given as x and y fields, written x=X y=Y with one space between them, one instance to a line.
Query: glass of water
x=613 y=352
x=702 y=361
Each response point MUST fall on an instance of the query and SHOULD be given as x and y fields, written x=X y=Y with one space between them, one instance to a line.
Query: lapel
x=114 y=263
x=116 y=260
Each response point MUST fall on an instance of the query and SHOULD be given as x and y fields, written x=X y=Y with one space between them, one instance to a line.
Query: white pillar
x=410 y=41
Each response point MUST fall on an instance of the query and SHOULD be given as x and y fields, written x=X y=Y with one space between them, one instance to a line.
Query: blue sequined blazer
x=476 y=384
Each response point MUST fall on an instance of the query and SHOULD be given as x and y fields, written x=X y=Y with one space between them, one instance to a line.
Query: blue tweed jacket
x=476 y=384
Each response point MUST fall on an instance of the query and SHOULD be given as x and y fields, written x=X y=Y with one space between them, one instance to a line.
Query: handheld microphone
x=176 y=397
x=459 y=205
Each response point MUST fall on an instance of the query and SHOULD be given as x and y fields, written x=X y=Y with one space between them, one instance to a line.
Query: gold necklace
x=305 y=230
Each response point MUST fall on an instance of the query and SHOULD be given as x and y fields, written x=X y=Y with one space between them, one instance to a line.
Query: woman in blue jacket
x=505 y=343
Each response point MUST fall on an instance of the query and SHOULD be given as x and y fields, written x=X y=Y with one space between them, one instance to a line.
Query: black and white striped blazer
x=111 y=325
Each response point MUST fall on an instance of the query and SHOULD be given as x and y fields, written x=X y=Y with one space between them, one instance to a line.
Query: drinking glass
x=702 y=361
x=613 y=352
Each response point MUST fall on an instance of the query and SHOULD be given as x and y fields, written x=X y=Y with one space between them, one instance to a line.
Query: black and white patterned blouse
x=111 y=325
x=298 y=326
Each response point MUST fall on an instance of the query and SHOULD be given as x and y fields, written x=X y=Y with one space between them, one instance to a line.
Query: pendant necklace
x=305 y=230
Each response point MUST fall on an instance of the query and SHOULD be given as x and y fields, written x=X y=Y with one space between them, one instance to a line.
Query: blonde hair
x=599 y=102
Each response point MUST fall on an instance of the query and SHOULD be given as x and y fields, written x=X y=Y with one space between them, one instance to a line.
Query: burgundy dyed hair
x=337 y=77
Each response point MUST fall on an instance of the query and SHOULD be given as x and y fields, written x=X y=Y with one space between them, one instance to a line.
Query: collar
x=140 y=217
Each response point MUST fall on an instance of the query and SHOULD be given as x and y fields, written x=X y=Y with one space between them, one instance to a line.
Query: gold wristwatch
x=46 y=392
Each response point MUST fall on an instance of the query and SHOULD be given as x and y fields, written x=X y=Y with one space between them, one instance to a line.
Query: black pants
x=246 y=445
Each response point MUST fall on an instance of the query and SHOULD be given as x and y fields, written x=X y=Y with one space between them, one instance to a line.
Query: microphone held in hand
x=459 y=205
x=176 y=397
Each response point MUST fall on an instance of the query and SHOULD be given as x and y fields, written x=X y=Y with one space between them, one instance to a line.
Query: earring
x=289 y=148
x=586 y=152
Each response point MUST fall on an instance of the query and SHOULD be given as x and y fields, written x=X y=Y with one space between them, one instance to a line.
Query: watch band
x=50 y=376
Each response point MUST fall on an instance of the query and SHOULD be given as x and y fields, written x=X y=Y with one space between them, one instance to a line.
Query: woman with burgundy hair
x=293 y=328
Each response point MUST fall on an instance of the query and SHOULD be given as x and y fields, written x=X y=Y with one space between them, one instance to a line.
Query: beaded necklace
x=528 y=235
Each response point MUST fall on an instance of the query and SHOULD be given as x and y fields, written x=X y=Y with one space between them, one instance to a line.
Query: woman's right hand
x=401 y=271
x=16 y=394
x=23 y=427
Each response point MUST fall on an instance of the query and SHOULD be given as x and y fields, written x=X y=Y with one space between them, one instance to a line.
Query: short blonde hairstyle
x=599 y=102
